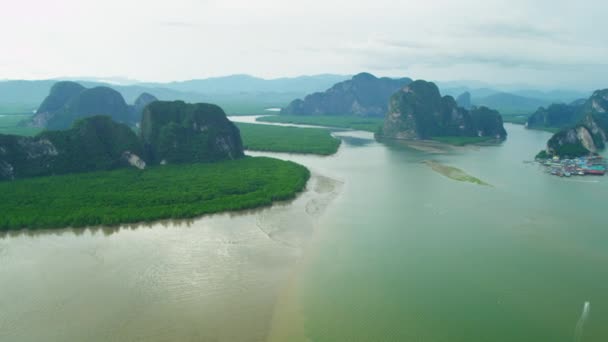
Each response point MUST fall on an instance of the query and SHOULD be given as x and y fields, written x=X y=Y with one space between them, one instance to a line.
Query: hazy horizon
x=549 y=44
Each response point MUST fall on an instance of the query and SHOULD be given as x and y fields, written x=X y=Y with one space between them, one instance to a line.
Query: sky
x=558 y=44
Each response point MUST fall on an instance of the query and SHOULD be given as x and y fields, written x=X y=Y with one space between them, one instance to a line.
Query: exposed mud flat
x=216 y=278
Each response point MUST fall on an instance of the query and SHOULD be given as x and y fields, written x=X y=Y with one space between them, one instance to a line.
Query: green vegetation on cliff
x=162 y=192
x=177 y=132
x=69 y=101
x=60 y=94
x=589 y=134
x=573 y=142
x=270 y=138
x=348 y=122
x=364 y=95
x=93 y=143
x=418 y=111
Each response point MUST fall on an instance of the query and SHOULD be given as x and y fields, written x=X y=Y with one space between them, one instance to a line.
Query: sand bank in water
x=453 y=173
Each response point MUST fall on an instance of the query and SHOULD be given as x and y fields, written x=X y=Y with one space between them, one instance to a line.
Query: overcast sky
x=563 y=44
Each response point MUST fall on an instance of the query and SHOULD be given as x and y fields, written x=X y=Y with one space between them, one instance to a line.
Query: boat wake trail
x=578 y=332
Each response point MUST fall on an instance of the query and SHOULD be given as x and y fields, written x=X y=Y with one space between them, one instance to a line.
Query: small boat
x=595 y=172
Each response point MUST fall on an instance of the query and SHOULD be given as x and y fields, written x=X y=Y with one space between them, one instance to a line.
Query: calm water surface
x=380 y=248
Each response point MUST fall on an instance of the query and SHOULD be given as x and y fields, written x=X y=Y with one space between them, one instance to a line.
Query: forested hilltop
x=94 y=143
x=418 y=111
x=588 y=135
x=172 y=132
x=70 y=101
x=187 y=161
x=178 y=132
x=364 y=95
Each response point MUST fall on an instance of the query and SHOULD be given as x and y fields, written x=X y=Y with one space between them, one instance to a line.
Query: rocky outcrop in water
x=589 y=135
x=94 y=143
x=364 y=95
x=176 y=132
x=419 y=112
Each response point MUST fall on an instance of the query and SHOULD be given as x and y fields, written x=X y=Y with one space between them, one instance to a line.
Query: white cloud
x=514 y=41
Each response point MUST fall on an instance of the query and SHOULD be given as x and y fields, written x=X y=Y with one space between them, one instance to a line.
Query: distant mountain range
x=249 y=84
x=244 y=94
x=238 y=94
x=522 y=101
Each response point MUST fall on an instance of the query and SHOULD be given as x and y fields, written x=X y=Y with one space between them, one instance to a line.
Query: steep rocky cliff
x=91 y=102
x=364 y=95
x=176 y=132
x=94 y=143
x=61 y=93
x=419 y=112
x=69 y=101
x=589 y=135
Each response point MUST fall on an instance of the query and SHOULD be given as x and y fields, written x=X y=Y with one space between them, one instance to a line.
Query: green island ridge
x=161 y=192
x=346 y=122
x=171 y=133
x=585 y=129
x=269 y=138
x=453 y=173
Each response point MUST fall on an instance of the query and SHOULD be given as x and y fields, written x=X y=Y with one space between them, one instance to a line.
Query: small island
x=573 y=150
x=419 y=112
